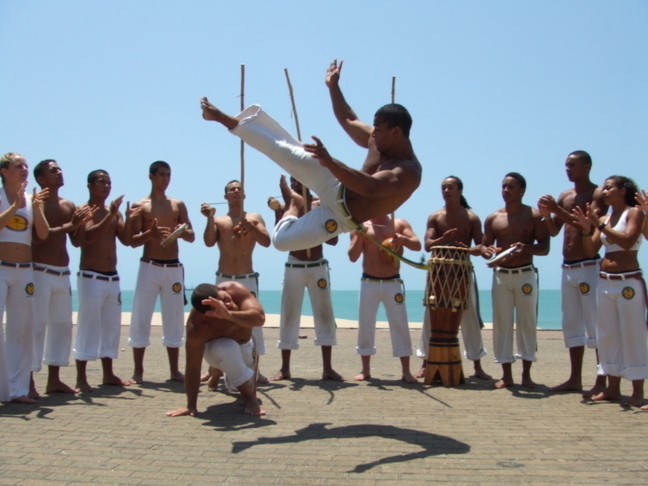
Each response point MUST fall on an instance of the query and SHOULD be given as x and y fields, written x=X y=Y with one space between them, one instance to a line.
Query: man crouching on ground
x=220 y=329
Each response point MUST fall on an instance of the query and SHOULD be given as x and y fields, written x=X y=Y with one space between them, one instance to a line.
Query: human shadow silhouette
x=432 y=444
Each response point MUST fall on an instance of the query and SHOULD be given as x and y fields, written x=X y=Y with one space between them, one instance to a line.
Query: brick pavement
x=379 y=432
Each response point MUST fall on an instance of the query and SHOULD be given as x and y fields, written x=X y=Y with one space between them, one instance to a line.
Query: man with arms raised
x=19 y=214
x=381 y=282
x=236 y=234
x=387 y=179
x=456 y=225
x=99 y=318
x=220 y=329
x=579 y=273
x=305 y=269
x=52 y=291
x=515 y=286
x=160 y=272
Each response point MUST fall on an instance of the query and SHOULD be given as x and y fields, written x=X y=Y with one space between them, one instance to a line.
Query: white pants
x=314 y=276
x=251 y=281
x=167 y=282
x=470 y=329
x=99 y=318
x=391 y=293
x=52 y=316
x=621 y=328
x=17 y=341
x=234 y=359
x=578 y=289
x=515 y=290
x=330 y=218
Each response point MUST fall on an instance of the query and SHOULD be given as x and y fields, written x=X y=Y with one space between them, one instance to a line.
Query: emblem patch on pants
x=176 y=287
x=399 y=298
x=584 y=288
x=321 y=283
x=527 y=289
x=628 y=293
x=29 y=288
x=331 y=225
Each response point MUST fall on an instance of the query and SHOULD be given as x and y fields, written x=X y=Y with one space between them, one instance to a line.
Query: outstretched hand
x=114 y=206
x=38 y=198
x=332 y=77
x=132 y=212
x=319 y=152
x=642 y=199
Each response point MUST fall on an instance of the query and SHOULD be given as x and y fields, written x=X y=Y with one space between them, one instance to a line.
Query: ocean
x=345 y=304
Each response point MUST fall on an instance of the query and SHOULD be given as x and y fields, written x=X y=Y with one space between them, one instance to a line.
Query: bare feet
x=114 y=380
x=262 y=379
x=332 y=375
x=408 y=378
x=503 y=384
x=177 y=376
x=211 y=113
x=363 y=376
x=281 y=375
x=138 y=378
x=607 y=395
x=420 y=373
x=644 y=408
x=569 y=385
x=481 y=374
x=598 y=388
x=33 y=393
x=23 y=399
x=59 y=387
x=527 y=382
x=83 y=386
x=212 y=383
x=253 y=407
x=205 y=376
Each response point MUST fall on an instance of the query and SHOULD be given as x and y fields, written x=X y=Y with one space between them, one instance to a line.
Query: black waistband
x=107 y=274
x=366 y=275
x=581 y=260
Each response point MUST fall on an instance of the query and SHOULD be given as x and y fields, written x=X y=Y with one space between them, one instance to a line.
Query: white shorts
x=17 y=347
x=251 y=281
x=99 y=318
x=330 y=218
x=515 y=290
x=578 y=287
x=53 y=321
x=234 y=359
x=391 y=293
x=167 y=281
x=313 y=275
x=470 y=328
x=621 y=327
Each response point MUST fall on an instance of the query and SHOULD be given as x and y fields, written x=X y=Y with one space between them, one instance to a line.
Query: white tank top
x=610 y=246
x=19 y=228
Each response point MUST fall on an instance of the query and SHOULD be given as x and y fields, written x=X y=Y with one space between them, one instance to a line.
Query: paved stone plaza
x=378 y=432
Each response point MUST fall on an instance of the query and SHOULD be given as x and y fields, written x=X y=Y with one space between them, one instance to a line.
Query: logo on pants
x=527 y=289
x=399 y=298
x=331 y=225
x=29 y=288
x=584 y=288
x=321 y=283
x=176 y=287
x=628 y=293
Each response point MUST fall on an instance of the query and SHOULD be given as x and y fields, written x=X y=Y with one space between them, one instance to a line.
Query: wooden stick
x=393 y=100
x=294 y=109
x=242 y=143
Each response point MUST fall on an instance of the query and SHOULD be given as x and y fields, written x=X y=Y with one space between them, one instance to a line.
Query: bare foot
x=527 y=382
x=59 y=387
x=23 y=399
x=177 y=376
x=363 y=376
x=33 y=393
x=262 y=379
x=205 y=376
x=634 y=401
x=482 y=375
x=594 y=391
x=332 y=375
x=209 y=111
x=644 y=408
x=503 y=384
x=253 y=407
x=83 y=386
x=281 y=375
x=569 y=385
x=212 y=383
x=116 y=381
x=606 y=395
x=138 y=378
x=420 y=373
x=408 y=378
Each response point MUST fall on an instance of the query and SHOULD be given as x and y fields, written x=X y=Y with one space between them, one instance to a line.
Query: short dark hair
x=158 y=164
x=582 y=155
x=94 y=175
x=5 y=160
x=200 y=293
x=517 y=176
x=396 y=115
x=231 y=182
x=39 y=170
x=629 y=185
x=462 y=199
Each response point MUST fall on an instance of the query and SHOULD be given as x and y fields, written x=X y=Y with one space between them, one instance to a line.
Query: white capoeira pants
x=621 y=326
x=17 y=340
x=470 y=329
x=330 y=218
x=99 y=318
x=314 y=276
x=167 y=281
x=515 y=290
x=53 y=316
x=391 y=292
x=234 y=359
x=251 y=281
x=578 y=288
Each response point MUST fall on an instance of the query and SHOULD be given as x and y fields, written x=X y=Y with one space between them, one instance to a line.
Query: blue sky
x=493 y=87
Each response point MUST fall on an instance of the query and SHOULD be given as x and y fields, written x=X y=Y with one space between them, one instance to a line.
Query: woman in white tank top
x=621 y=294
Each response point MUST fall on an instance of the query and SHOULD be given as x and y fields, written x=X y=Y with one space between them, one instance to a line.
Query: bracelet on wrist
x=601 y=226
x=587 y=234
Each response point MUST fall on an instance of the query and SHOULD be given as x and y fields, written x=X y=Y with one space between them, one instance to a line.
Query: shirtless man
x=381 y=282
x=579 y=273
x=389 y=176
x=515 y=286
x=305 y=269
x=52 y=290
x=219 y=328
x=456 y=225
x=19 y=215
x=99 y=318
x=236 y=234
x=160 y=271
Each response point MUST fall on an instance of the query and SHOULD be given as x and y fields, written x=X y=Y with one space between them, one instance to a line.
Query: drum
x=446 y=297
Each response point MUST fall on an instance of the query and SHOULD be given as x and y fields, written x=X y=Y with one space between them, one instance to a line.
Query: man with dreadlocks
x=456 y=225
